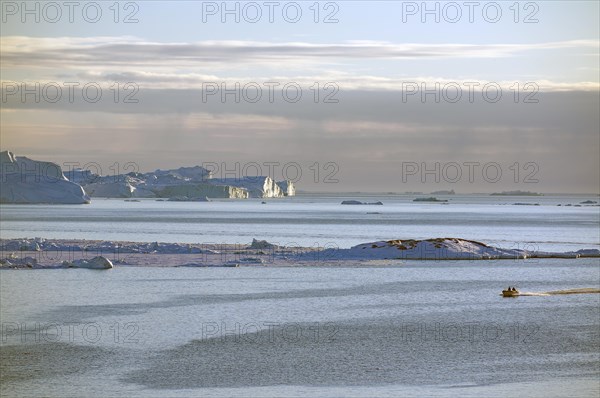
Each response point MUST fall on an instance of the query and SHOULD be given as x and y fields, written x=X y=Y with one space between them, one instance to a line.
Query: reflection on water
x=421 y=329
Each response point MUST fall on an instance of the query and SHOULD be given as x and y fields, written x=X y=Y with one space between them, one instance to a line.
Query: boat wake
x=574 y=291
x=533 y=294
x=584 y=290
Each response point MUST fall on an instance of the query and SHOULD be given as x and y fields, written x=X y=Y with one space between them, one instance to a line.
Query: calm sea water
x=409 y=329
x=426 y=329
x=317 y=221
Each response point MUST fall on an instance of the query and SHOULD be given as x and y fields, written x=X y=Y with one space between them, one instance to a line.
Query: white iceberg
x=110 y=190
x=257 y=187
x=98 y=262
x=193 y=181
x=287 y=187
x=29 y=181
x=201 y=190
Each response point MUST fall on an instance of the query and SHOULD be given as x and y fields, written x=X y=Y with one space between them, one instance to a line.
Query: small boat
x=510 y=292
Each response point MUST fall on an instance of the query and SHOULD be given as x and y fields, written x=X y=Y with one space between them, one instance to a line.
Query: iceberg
x=110 y=190
x=190 y=182
x=287 y=187
x=257 y=187
x=98 y=262
x=201 y=191
x=29 y=181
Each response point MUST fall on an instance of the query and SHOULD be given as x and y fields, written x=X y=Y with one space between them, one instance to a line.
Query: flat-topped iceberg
x=30 y=181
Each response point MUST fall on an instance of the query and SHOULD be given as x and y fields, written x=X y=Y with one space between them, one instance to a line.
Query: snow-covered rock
x=103 y=247
x=262 y=244
x=586 y=253
x=22 y=245
x=19 y=262
x=98 y=262
x=444 y=249
x=29 y=181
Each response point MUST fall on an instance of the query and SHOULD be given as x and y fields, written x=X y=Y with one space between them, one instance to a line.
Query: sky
x=336 y=96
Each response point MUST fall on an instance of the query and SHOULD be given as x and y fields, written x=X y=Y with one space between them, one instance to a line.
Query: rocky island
x=42 y=253
x=516 y=193
x=430 y=199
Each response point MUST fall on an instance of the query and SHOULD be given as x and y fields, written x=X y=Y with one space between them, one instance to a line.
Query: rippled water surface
x=415 y=329
x=437 y=329
x=318 y=221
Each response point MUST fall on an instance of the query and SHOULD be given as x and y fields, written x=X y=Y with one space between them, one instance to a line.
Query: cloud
x=181 y=65
x=73 y=52
x=343 y=81
x=370 y=124
x=368 y=134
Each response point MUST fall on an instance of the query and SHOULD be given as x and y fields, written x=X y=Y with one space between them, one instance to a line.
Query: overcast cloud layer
x=362 y=106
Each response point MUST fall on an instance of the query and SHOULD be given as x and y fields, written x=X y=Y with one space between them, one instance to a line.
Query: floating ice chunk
x=98 y=262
